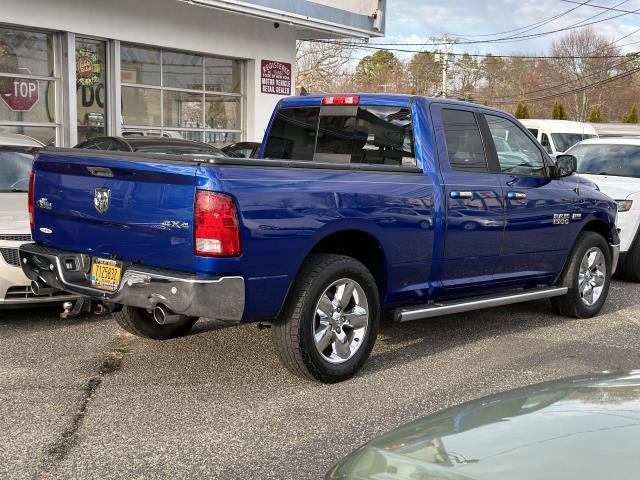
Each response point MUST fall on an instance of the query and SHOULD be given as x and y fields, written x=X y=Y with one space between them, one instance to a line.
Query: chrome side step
x=470 y=304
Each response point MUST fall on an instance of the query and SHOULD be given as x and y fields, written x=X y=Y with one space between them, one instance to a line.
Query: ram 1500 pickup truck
x=358 y=206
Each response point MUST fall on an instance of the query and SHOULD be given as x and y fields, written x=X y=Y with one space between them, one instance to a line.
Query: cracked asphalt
x=82 y=399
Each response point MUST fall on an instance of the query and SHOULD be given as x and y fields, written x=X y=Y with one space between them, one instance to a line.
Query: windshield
x=617 y=160
x=564 y=141
x=15 y=170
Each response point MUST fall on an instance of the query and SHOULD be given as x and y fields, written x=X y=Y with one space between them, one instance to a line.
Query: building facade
x=208 y=70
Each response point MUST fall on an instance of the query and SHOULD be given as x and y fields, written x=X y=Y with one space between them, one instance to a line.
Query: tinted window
x=464 y=143
x=544 y=140
x=517 y=153
x=534 y=131
x=384 y=135
x=345 y=134
x=293 y=134
x=618 y=160
x=15 y=170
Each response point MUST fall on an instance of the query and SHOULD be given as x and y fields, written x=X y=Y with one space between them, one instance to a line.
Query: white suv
x=16 y=157
x=614 y=165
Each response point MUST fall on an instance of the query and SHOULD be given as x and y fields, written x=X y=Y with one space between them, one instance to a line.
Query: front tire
x=330 y=322
x=140 y=322
x=588 y=277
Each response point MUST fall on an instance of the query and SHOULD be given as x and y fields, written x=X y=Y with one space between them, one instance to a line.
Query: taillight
x=32 y=182
x=341 y=100
x=217 y=232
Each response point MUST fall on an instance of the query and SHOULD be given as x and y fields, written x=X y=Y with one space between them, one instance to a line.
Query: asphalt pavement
x=82 y=399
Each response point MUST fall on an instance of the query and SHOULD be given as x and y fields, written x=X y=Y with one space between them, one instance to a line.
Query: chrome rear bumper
x=145 y=287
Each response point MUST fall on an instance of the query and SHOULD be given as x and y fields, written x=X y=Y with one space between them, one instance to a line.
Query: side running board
x=469 y=304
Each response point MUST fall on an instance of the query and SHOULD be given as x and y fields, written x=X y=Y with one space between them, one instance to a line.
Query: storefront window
x=91 y=90
x=185 y=94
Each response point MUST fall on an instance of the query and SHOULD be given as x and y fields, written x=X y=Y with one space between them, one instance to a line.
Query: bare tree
x=320 y=66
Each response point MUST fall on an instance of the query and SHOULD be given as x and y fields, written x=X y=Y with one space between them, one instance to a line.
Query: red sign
x=276 y=77
x=23 y=94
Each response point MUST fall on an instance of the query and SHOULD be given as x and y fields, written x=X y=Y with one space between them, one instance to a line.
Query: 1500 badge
x=561 y=218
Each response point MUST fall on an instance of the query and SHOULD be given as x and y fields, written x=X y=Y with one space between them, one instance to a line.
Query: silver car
x=16 y=157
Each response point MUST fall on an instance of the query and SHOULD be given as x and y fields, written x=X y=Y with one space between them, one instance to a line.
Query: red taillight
x=32 y=182
x=341 y=100
x=217 y=232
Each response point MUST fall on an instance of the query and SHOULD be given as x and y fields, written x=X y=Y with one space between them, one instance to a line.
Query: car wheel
x=140 y=322
x=330 y=322
x=630 y=268
x=588 y=277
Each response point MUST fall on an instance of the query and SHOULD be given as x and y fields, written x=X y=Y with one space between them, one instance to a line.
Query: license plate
x=105 y=274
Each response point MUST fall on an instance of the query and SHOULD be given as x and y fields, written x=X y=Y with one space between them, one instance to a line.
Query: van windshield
x=343 y=134
x=616 y=160
x=564 y=141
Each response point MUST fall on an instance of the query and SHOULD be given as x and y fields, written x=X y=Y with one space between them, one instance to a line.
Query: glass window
x=140 y=65
x=335 y=135
x=141 y=106
x=28 y=100
x=517 y=153
x=464 y=143
x=534 y=132
x=182 y=70
x=182 y=109
x=222 y=112
x=384 y=135
x=564 y=141
x=293 y=134
x=222 y=75
x=91 y=91
x=46 y=135
x=544 y=140
x=21 y=49
x=15 y=169
x=614 y=160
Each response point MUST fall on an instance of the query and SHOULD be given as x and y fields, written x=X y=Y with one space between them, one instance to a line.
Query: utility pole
x=443 y=58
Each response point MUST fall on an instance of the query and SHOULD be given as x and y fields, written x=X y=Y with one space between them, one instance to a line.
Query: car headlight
x=624 y=205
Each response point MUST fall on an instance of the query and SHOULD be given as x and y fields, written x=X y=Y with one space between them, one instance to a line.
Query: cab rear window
x=343 y=134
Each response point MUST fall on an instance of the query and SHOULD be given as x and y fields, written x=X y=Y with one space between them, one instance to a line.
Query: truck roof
x=375 y=99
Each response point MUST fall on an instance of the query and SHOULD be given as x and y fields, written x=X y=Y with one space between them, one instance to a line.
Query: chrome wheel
x=341 y=321
x=592 y=276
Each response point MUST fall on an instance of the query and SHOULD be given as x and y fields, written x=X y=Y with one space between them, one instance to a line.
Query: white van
x=558 y=136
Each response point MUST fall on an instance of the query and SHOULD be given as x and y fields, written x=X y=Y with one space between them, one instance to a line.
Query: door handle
x=516 y=196
x=456 y=195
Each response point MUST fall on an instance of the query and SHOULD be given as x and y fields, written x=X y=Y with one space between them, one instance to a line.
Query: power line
x=602 y=7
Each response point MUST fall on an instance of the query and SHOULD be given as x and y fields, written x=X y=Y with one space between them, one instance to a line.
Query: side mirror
x=566 y=165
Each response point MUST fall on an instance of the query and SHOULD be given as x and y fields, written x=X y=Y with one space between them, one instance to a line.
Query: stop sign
x=23 y=94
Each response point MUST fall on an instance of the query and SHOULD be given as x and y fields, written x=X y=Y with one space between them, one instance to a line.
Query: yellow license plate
x=105 y=274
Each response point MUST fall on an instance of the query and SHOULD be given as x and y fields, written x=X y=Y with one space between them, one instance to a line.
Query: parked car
x=242 y=149
x=614 y=164
x=149 y=144
x=314 y=237
x=558 y=136
x=579 y=428
x=16 y=156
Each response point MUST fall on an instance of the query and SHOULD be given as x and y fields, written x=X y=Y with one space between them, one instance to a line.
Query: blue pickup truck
x=358 y=207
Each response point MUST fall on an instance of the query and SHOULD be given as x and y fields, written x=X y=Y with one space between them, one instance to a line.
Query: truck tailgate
x=136 y=211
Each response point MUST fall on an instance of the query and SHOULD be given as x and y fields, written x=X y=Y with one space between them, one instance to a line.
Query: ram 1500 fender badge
x=576 y=216
x=44 y=203
x=175 y=224
x=101 y=199
x=561 y=218
x=46 y=230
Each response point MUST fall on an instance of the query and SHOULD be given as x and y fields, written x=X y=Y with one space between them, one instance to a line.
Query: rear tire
x=588 y=277
x=330 y=321
x=630 y=268
x=139 y=322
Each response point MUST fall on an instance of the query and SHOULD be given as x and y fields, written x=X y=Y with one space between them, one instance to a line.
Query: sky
x=414 y=21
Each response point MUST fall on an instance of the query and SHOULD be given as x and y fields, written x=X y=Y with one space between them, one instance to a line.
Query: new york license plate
x=105 y=274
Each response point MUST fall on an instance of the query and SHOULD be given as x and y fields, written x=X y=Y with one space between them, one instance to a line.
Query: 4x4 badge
x=101 y=199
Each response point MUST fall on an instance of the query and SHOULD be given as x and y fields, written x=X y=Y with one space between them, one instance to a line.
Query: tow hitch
x=87 y=305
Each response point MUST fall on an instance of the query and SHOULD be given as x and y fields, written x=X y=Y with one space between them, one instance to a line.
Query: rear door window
x=343 y=134
x=464 y=142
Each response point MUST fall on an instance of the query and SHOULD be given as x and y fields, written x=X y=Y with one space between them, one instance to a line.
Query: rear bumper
x=146 y=287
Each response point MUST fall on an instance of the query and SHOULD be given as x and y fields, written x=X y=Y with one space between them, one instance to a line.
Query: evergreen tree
x=595 y=116
x=558 y=112
x=522 y=111
x=632 y=116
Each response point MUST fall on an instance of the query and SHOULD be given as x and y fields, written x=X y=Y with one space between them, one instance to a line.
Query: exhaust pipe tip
x=40 y=288
x=164 y=316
